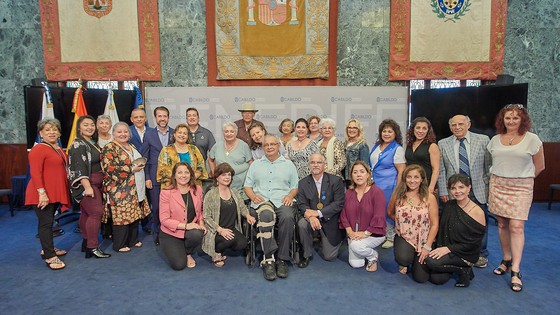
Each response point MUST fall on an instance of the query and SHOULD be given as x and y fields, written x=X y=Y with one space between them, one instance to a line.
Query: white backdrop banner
x=217 y=105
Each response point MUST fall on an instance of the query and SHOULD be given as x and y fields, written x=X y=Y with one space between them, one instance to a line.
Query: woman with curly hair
x=421 y=149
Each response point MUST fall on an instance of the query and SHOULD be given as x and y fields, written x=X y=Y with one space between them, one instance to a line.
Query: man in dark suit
x=154 y=140
x=320 y=201
x=138 y=128
x=476 y=164
x=137 y=132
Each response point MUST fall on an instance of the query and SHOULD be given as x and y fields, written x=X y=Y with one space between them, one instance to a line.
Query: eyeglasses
x=352 y=128
x=316 y=162
x=514 y=106
x=266 y=145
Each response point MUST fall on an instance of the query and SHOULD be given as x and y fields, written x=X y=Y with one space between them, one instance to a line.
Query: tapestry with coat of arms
x=272 y=39
x=447 y=39
x=101 y=39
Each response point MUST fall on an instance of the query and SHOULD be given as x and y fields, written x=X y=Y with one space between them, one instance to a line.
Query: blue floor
x=140 y=282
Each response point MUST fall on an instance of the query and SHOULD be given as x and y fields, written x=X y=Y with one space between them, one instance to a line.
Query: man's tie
x=463 y=158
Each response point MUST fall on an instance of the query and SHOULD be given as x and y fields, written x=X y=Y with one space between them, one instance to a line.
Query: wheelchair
x=250 y=232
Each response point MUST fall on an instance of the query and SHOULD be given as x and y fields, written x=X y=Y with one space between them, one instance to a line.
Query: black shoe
x=96 y=252
x=465 y=277
x=269 y=271
x=305 y=262
x=156 y=240
x=147 y=231
x=84 y=245
x=281 y=269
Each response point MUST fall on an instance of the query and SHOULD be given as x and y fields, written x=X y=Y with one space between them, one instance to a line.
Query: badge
x=319 y=206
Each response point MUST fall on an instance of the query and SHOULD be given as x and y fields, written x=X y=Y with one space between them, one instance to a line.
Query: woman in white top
x=517 y=158
x=103 y=125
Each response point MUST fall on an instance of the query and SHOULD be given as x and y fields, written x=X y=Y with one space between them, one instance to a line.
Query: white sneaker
x=482 y=262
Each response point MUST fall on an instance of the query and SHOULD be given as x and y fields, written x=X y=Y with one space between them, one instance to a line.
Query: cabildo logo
x=244 y=99
x=290 y=99
x=318 y=115
x=387 y=99
x=156 y=99
x=219 y=116
x=354 y=116
x=199 y=100
x=266 y=116
x=340 y=99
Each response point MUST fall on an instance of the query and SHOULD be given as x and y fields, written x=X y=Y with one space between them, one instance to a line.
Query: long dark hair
x=79 y=122
x=430 y=136
x=192 y=181
x=525 y=124
x=402 y=188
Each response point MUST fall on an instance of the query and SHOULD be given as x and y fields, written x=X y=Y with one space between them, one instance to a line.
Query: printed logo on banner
x=450 y=10
x=341 y=99
x=244 y=99
x=266 y=116
x=199 y=100
x=290 y=99
x=358 y=116
x=219 y=116
x=387 y=100
x=98 y=8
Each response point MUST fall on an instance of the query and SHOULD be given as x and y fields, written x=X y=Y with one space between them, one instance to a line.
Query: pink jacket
x=172 y=210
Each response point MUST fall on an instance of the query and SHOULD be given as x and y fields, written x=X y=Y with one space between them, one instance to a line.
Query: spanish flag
x=79 y=109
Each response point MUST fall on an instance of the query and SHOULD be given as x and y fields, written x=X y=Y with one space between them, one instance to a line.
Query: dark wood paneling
x=551 y=173
x=13 y=161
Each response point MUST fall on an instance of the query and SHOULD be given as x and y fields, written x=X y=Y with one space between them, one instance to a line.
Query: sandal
x=219 y=260
x=124 y=250
x=58 y=252
x=499 y=271
x=403 y=270
x=516 y=287
x=55 y=263
x=371 y=266
x=191 y=263
x=139 y=244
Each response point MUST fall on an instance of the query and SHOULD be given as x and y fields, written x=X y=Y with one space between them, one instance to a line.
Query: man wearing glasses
x=271 y=184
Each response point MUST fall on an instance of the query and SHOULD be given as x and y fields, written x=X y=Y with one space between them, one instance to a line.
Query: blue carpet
x=140 y=282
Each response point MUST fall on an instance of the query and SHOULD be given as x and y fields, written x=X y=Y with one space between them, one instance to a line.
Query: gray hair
x=118 y=124
x=49 y=121
x=271 y=135
x=467 y=117
x=327 y=121
x=105 y=117
x=230 y=124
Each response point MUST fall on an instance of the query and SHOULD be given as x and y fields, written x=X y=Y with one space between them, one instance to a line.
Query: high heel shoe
x=516 y=287
x=96 y=252
x=84 y=245
x=465 y=276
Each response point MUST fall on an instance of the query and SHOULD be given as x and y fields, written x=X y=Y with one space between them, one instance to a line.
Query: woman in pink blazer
x=180 y=213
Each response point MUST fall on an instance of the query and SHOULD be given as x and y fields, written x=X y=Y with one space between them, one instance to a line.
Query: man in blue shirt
x=271 y=184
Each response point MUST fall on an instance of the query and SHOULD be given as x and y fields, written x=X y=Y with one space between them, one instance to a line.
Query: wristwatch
x=41 y=191
x=367 y=233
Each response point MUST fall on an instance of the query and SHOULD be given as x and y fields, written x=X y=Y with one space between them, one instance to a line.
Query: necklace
x=230 y=148
x=410 y=200
x=511 y=140
x=466 y=204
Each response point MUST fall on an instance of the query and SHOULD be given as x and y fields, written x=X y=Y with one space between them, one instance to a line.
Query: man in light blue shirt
x=271 y=184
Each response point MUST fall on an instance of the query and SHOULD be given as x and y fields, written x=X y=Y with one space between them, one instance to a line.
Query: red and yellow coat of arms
x=98 y=8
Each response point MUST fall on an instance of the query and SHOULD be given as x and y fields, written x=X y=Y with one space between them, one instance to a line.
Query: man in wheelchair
x=271 y=184
x=320 y=201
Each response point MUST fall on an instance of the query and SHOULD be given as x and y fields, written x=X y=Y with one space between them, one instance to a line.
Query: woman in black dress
x=421 y=149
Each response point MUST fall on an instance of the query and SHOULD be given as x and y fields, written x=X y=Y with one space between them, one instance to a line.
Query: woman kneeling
x=459 y=238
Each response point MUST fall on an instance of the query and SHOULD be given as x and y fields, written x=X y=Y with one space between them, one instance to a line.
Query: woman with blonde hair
x=355 y=144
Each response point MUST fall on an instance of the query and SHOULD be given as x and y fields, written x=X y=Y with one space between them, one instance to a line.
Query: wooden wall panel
x=13 y=161
x=551 y=174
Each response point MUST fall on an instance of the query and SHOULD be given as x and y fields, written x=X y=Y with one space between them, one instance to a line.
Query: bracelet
x=426 y=247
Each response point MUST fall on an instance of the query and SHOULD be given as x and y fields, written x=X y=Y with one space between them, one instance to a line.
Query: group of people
x=304 y=179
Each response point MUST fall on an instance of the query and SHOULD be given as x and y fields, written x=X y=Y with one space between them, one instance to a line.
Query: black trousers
x=177 y=249
x=45 y=219
x=443 y=268
x=125 y=235
x=406 y=255
x=238 y=242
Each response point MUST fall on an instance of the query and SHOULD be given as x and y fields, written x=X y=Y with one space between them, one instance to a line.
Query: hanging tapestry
x=272 y=39
x=101 y=39
x=447 y=39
